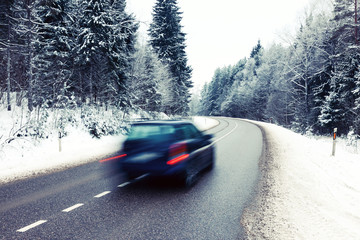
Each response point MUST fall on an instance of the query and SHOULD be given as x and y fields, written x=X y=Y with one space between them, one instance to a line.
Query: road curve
x=87 y=203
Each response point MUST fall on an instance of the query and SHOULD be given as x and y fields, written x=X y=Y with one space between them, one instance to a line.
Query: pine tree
x=5 y=49
x=261 y=85
x=271 y=77
x=356 y=108
x=204 y=100
x=256 y=53
x=168 y=41
x=321 y=84
x=54 y=51
x=92 y=46
x=143 y=85
x=309 y=71
x=331 y=114
x=105 y=47
x=25 y=25
x=346 y=59
x=122 y=42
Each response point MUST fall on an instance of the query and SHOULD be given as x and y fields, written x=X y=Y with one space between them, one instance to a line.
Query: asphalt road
x=87 y=202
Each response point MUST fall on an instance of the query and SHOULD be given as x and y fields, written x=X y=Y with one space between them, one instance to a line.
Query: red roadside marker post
x=334 y=142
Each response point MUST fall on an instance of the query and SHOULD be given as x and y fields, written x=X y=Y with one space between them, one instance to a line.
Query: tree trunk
x=8 y=79
x=30 y=80
x=8 y=68
x=30 y=61
x=82 y=94
x=91 y=84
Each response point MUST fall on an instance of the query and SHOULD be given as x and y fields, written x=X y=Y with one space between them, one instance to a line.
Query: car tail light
x=113 y=158
x=177 y=153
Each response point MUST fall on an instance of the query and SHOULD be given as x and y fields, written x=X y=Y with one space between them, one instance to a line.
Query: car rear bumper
x=153 y=169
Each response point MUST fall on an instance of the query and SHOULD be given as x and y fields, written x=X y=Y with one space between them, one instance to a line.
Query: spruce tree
x=105 y=47
x=92 y=46
x=120 y=57
x=346 y=59
x=5 y=49
x=54 y=56
x=168 y=41
x=25 y=26
x=356 y=108
x=143 y=87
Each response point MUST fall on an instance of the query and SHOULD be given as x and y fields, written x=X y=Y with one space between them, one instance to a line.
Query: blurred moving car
x=167 y=148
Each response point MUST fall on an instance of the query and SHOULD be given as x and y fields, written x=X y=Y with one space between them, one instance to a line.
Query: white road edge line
x=102 y=194
x=72 y=207
x=142 y=176
x=123 y=184
x=24 y=229
x=236 y=125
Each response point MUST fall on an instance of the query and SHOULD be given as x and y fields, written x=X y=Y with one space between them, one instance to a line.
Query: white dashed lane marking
x=73 y=207
x=102 y=194
x=24 y=229
x=69 y=209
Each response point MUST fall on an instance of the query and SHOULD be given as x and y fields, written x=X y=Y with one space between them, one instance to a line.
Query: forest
x=66 y=62
x=69 y=62
x=311 y=84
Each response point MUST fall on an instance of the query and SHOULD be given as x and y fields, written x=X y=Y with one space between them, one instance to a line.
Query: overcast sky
x=221 y=32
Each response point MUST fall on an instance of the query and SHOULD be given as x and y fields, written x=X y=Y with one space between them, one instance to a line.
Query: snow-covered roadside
x=204 y=123
x=304 y=192
x=24 y=159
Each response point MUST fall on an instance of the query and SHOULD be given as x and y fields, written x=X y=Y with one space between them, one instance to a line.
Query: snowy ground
x=304 y=192
x=25 y=159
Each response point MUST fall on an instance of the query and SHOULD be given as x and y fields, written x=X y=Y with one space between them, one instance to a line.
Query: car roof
x=163 y=122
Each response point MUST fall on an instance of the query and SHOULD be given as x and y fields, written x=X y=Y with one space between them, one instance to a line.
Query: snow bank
x=24 y=159
x=304 y=192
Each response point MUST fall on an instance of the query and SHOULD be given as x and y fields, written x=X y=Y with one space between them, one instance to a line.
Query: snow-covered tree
x=5 y=49
x=218 y=90
x=105 y=46
x=308 y=68
x=162 y=77
x=54 y=52
x=92 y=46
x=121 y=50
x=247 y=95
x=271 y=75
x=26 y=30
x=346 y=59
x=143 y=85
x=168 y=41
x=331 y=113
x=356 y=109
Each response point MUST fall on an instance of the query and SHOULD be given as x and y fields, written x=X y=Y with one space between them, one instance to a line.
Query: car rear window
x=155 y=132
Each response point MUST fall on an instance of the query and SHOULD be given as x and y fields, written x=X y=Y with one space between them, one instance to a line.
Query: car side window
x=191 y=132
x=180 y=133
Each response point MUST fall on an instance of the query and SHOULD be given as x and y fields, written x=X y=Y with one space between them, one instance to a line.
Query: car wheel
x=211 y=162
x=210 y=166
x=190 y=177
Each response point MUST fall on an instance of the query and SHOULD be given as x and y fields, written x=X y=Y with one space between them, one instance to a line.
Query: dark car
x=167 y=148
